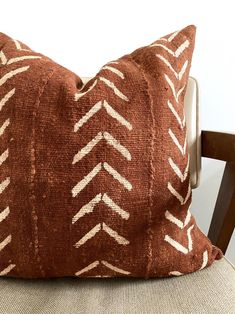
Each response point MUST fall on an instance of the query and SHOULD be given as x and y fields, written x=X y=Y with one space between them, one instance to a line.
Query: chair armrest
x=218 y=145
x=221 y=146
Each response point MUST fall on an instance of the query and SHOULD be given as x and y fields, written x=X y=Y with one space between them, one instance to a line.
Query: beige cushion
x=193 y=129
x=211 y=290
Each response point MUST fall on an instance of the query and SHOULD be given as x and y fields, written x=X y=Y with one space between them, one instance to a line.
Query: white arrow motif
x=4 y=60
x=113 y=113
x=172 y=86
x=179 y=247
x=4 y=156
x=181 y=148
x=179 y=74
x=87 y=179
x=4 y=184
x=12 y=73
x=111 y=85
x=4 y=213
x=6 y=270
x=179 y=120
x=114 y=70
x=4 y=100
x=102 y=226
x=182 y=200
x=106 y=264
x=5 y=242
x=177 y=171
x=175 y=53
x=89 y=207
x=179 y=223
x=109 y=139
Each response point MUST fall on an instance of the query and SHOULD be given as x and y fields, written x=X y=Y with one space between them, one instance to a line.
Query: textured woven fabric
x=210 y=291
x=95 y=178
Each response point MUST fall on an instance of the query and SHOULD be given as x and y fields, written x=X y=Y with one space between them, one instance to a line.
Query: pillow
x=94 y=178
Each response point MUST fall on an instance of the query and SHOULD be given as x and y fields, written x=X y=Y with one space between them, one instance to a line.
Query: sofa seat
x=210 y=290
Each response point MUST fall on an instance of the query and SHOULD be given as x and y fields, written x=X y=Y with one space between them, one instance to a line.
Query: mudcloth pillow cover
x=94 y=178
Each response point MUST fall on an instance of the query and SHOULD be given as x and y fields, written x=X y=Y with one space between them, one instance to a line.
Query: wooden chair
x=211 y=290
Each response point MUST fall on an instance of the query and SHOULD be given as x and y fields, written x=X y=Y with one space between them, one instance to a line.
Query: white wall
x=84 y=35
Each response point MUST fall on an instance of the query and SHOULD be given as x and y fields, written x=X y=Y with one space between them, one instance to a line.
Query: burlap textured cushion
x=94 y=179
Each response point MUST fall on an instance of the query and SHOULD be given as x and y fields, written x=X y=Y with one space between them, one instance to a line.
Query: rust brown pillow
x=94 y=179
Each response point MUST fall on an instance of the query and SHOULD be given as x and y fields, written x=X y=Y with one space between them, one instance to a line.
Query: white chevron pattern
x=179 y=74
x=5 y=242
x=89 y=207
x=114 y=70
x=107 y=82
x=175 y=93
x=102 y=226
x=6 y=270
x=179 y=223
x=4 y=60
x=4 y=126
x=178 y=246
x=111 y=85
x=5 y=99
x=110 y=111
x=86 y=150
x=109 y=139
x=4 y=156
x=179 y=120
x=106 y=264
x=88 y=178
x=181 y=199
x=10 y=74
x=175 y=53
x=4 y=213
x=177 y=89
x=182 y=176
x=18 y=46
x=182 y=148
